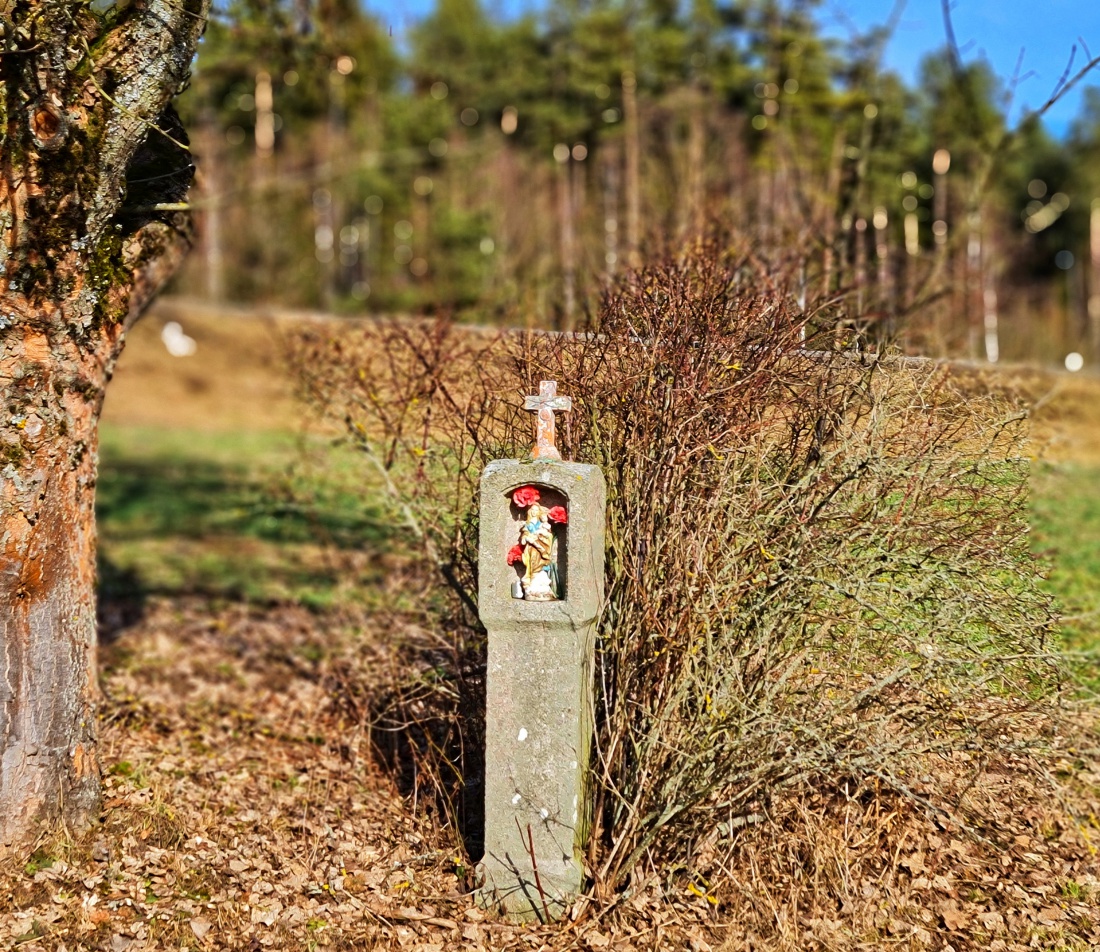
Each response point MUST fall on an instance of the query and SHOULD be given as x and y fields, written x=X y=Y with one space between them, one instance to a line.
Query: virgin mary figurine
x=537 y=549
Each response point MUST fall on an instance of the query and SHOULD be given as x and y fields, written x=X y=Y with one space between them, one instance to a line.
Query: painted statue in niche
x=537 y=549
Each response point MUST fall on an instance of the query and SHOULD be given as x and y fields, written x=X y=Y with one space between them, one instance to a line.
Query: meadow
x=214 y=480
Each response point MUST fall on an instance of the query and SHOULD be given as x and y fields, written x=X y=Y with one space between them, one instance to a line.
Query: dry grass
x=236 y=379
x=239 y=379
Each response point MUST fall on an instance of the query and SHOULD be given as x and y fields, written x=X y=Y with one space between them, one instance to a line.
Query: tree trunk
x=632 y=145
x=692 y=208
x=93 y=167
x=566 y=215
x=1094 y=280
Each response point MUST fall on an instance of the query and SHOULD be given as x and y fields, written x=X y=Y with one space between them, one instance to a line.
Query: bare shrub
x=817 y=561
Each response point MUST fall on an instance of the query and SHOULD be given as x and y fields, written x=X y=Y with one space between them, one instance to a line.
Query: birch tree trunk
x=632 y=145
x=90 y=153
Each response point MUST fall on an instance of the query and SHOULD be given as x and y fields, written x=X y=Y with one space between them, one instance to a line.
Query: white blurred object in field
x=176 y=341
x=1074 y=362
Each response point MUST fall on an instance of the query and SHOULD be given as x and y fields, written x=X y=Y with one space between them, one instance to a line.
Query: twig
x=535 y=868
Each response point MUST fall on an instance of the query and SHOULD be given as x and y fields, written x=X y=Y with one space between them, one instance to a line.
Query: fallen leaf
x=993 y=921
x=914 y=863
x=898 y=927
x=266 y=917
x=697 y=943
x=953 y=917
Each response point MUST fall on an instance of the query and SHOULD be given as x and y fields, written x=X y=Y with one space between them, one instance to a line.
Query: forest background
x=496 y=167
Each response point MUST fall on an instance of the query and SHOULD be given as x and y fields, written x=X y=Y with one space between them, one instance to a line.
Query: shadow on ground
x=426 y=714
x=226 y=521
x=251 y=528
x=198 y=498
x=121 y=600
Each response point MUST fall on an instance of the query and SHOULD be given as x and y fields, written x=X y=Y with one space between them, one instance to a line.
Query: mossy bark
x=84 y=113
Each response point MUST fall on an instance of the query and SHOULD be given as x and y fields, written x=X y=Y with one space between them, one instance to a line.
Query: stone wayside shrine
x=540 y=590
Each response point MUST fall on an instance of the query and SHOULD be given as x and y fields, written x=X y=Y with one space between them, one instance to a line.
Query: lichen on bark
x=81 y=93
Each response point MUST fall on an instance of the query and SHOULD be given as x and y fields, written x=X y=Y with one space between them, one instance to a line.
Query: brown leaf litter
x=242 y=810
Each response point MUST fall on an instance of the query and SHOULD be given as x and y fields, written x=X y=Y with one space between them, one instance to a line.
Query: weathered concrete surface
x=539 y=692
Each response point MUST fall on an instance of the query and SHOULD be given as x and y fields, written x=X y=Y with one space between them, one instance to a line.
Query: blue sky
x=1046 y=31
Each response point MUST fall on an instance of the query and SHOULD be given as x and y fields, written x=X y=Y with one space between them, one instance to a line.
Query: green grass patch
x=254 y=516
x=40 y=859
x=1066 y=531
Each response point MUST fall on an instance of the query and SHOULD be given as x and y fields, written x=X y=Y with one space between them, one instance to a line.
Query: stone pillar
x=539 y=681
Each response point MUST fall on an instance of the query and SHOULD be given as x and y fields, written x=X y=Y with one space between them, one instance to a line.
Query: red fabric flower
x=515 y=554
x=525 y=496
x=558 y=514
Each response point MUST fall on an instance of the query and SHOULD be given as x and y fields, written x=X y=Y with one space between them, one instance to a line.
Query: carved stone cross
x=546 y=403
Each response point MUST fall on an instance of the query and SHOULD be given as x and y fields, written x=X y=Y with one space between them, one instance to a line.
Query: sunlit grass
x=1066 y=532
x=270 y=517
x=256 y=516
